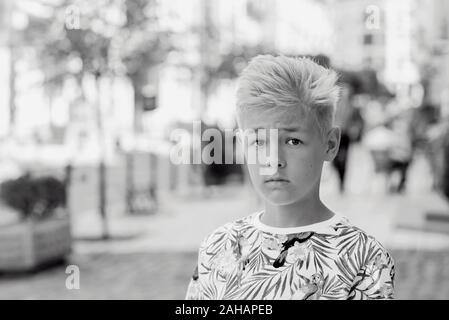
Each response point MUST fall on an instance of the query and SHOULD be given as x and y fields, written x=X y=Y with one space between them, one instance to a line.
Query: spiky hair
x=270 y=81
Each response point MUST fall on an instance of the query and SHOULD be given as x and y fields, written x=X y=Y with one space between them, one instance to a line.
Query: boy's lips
x=276 y=179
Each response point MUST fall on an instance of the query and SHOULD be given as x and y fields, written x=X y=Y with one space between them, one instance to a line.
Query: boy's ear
x=332 y=143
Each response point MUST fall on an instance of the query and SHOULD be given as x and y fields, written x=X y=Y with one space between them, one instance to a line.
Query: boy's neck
x=307 y=211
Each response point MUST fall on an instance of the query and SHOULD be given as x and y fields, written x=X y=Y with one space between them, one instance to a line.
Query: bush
x=33 y=197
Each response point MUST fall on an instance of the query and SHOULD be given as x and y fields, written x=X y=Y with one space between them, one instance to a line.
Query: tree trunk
x=205 y=44
x=102 y=200
x=12 y=91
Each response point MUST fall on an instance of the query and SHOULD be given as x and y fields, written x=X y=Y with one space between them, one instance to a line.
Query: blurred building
x=396 y=38
x=211 y=29
x=359 y=33
x=433 y=38
x=374 y=34
x=205 y=32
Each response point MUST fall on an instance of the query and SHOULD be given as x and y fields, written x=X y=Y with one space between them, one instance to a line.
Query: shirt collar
x=330 y=226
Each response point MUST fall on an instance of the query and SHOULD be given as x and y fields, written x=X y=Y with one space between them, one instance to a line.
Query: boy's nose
x=280 y=163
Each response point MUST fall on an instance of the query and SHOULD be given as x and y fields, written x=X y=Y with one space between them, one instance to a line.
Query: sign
x=149 y=103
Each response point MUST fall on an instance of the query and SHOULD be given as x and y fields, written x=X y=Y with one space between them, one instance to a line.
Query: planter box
x=29 y=244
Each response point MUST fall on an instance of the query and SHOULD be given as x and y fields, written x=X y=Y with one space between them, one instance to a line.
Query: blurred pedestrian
x=427 y=137
x=438 y=149
x=390 y=145
x=351 y=124
x=445 y=175
x=400 y=151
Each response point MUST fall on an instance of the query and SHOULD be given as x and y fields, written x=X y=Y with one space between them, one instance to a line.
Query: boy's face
x=301 y=151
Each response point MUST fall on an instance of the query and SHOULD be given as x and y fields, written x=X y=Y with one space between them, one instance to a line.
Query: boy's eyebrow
x=289 y=129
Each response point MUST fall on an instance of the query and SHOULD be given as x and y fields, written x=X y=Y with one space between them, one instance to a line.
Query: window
x=368 y=39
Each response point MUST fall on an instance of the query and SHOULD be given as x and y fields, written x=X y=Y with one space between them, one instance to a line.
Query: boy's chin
x=279 y=198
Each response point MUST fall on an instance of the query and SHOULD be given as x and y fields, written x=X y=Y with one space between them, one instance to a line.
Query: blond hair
x=270 y=81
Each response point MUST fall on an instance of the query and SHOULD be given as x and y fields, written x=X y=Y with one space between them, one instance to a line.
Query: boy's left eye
x=294 y=141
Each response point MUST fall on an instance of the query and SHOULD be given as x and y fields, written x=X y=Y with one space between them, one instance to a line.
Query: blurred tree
x=85 y=39
x=218 y=60
x=142 y=46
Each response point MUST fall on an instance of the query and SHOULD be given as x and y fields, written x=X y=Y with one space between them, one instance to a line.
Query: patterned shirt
x=247 y=259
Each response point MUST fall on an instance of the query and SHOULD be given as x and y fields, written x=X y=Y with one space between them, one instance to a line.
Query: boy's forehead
x=275 y=118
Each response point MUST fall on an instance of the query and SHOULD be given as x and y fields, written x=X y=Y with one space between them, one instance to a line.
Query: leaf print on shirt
x=257 y=260
x=375 y=275
x=333 y=288
x=272 y=282
x=347 y=269
x=258 y=257
x=350 y=239
x=321 y=252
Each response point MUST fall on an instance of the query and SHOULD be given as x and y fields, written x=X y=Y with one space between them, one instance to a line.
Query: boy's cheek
x=254 y=171
x=254 y=157
x=267 y=171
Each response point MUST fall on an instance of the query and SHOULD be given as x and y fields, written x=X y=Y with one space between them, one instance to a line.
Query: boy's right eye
x=259 y=143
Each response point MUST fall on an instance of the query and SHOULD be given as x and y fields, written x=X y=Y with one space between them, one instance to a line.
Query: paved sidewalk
x=165 y=275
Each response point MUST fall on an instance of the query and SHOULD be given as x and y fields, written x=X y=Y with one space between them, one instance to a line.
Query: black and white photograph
x=224 y=150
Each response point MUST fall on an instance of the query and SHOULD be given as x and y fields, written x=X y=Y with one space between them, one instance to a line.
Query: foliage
x=115 y=37
x=34 y=197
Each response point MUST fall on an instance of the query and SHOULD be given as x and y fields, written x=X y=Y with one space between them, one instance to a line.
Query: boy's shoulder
x=230 y=229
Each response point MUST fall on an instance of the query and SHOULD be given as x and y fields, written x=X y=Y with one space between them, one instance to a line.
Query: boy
x=296 y=247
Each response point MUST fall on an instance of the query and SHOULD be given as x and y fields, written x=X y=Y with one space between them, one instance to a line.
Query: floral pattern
x=225 y=262
x=299 y=251
x=241 y=261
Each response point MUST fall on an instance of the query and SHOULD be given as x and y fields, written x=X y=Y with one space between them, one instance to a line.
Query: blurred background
x=91 y=91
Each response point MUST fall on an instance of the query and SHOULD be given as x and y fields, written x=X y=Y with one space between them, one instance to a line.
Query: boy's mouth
x=276 y=179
